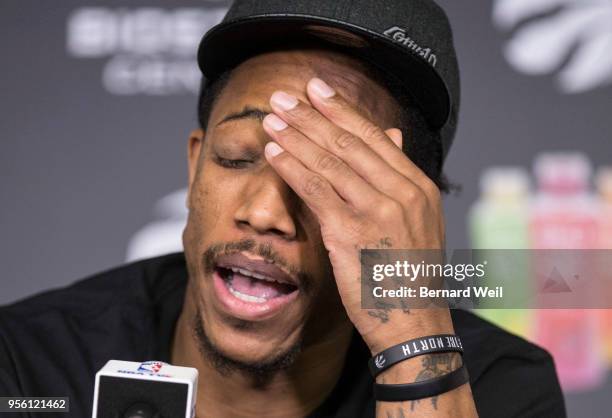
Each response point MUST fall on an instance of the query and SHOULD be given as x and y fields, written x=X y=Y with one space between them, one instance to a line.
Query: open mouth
x=253 y=287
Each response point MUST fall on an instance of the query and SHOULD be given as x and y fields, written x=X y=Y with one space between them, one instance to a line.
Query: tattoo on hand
x=383 y=308
x=404 y=306
x=382 y=311
x=384 y=242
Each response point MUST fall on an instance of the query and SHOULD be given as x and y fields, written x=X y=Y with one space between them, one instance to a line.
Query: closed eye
x=232 y=164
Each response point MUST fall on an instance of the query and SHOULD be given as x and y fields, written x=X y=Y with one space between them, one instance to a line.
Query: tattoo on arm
x=435 y=365
x=400 y=413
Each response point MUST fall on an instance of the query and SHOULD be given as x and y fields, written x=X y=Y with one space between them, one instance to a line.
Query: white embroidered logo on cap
x=399 y=35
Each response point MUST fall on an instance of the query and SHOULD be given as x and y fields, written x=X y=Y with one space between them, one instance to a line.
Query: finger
x=347 y=183
x=348 y=147
x=312 y=188
x=396 y=136
x=339 y=111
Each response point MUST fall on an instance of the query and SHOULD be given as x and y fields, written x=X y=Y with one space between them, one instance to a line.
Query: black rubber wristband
x=420 y=390
x=412 y=348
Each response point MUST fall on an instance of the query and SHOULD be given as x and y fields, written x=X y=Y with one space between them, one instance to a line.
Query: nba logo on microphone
x=168 y=390
x=150 y=367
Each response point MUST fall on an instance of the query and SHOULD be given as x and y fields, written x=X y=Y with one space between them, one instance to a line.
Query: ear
x=194 y=148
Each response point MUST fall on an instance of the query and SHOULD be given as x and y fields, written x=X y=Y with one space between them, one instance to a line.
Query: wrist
x=406 y=326
x=421 y=368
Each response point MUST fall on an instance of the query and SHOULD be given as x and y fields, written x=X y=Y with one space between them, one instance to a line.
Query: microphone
x=153 y=389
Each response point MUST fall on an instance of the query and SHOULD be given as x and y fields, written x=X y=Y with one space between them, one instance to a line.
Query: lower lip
x=250 y=311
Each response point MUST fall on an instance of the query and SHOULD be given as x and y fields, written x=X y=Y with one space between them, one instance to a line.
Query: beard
x=261 y=372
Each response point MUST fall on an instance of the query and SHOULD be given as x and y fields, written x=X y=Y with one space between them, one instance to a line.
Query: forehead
x=253 y=82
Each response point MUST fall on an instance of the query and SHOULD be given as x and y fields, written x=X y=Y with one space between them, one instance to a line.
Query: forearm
x=458 y=402
x=455 y=403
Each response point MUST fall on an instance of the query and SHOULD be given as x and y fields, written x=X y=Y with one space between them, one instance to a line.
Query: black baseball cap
x=408 y=40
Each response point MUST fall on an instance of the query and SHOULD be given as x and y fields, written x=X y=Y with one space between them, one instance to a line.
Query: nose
x=267 y=207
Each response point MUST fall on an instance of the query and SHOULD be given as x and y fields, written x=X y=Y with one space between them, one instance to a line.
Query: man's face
x=260 y=277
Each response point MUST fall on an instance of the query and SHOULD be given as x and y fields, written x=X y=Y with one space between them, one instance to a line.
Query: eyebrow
x=248 y=112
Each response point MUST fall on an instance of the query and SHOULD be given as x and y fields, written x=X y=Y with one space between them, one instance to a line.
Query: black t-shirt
x=52 y=344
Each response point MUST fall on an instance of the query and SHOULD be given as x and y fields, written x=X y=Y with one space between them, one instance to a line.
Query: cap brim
x=228 y=44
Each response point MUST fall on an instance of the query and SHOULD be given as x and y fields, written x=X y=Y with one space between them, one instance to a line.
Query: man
x=323 y=130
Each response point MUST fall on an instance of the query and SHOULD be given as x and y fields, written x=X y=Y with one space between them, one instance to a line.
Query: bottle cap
x=504 y=183
x=603 y=181
x=564 y=172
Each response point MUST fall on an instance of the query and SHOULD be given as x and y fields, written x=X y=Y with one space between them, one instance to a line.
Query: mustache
x=263 y=250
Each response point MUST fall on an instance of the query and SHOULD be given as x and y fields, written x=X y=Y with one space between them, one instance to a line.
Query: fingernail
x=321 y=88
x=275 y=122
x=283 y=100
x=273 y=149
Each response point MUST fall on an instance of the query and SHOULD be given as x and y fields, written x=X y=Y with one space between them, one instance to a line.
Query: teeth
x=253 y=274
x=246 y=298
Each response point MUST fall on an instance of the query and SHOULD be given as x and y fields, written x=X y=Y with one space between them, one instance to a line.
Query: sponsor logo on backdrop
x=146 y=50
x=164 y=234
x=569 y=38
